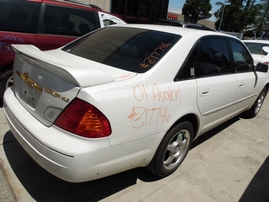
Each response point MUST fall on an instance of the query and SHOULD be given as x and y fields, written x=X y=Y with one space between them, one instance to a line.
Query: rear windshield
x=131 y=49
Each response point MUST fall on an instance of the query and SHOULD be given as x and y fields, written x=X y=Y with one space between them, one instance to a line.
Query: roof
x=196 y=33
x=183 y=24
x=71 y=3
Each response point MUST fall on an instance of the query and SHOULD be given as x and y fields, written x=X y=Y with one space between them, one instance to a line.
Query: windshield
x=131 y=49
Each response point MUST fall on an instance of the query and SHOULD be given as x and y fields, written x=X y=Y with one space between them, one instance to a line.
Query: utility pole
x=222 y=14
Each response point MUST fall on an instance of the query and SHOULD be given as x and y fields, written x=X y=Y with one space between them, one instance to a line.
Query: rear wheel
x=172 y=150
x=6 y=82
x=256 y=107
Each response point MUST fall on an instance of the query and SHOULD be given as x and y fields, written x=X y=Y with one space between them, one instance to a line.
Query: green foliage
x=263 y=24
x=195 y=10
x=243 y=15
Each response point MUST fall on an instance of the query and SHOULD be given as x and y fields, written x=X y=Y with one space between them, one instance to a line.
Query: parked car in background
x=183 y=24
x=265 y=60
x=46 y=24
x=257 y=51
x=127 y=96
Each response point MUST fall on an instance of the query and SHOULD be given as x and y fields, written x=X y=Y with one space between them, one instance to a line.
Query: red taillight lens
x=83 y=119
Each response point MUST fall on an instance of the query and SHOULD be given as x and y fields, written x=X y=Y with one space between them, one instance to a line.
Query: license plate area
x=29 y=94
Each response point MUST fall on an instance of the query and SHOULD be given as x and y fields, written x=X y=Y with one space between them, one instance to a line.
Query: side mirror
x=261 y=67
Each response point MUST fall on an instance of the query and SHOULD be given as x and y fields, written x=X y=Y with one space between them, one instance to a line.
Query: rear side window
x=243 y=61
x=187 y=71
x=19 y=16
x=68 y=21
x=131 y=49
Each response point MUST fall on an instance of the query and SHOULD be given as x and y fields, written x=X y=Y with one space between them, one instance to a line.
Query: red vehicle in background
x=46 y=24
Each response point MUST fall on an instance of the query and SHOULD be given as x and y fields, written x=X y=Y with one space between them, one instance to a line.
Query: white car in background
x=265 y=60
x=127 y=96
x=256 y=47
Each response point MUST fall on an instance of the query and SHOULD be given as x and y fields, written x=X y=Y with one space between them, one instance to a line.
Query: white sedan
x=128 y=96
x=257 y=49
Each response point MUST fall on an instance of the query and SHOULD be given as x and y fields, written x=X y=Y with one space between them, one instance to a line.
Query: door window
x=68 y=21
x=243 y=61
x=208 y=57
x=214 y=57
x=19 y=16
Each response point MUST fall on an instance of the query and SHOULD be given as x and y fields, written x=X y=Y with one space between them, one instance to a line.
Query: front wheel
x=172 y=150
x=256 y=107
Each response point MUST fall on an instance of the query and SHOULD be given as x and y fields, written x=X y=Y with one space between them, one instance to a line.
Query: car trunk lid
x=45 y=84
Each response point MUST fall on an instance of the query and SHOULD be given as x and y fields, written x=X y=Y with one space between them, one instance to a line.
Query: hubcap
x=9 y=82
x=260 y=102
x=176 y=149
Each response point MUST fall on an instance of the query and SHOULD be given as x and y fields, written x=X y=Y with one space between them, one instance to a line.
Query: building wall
x=175 y=16
x=135 y=11
x=207 y=23
x=106 y=6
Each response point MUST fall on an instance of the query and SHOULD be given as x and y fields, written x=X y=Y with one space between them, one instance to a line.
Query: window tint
x=214 y=57
x=19 y=16
x=256 y=48
x=187 y=70
x=131 y=49
x=68 y=21
x=242 y=59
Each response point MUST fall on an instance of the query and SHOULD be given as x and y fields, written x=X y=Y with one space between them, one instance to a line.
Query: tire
x=6 y=82
x=172 y=150
x=256 y=107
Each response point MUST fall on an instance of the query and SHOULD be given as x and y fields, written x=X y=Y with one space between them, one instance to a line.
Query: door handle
x=204 y=92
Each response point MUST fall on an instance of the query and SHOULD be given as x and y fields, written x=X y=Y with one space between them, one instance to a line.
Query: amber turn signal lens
x=83 y=119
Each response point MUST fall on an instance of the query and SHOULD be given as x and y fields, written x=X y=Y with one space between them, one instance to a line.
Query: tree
x=237 y=15
x=195 y=10
x=230 y=16
x=264 y=17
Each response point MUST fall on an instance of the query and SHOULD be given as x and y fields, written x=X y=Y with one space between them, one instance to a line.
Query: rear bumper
x=35 y=148
x=68 y=157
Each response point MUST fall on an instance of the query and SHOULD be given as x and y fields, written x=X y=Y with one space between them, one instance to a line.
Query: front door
x=245 y=74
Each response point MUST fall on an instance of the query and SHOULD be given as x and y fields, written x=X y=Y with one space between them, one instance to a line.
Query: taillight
x=83 y=119
x=267 y=63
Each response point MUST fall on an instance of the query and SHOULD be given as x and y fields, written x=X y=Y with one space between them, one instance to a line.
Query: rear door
x=18 y=25
x=216 y=82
